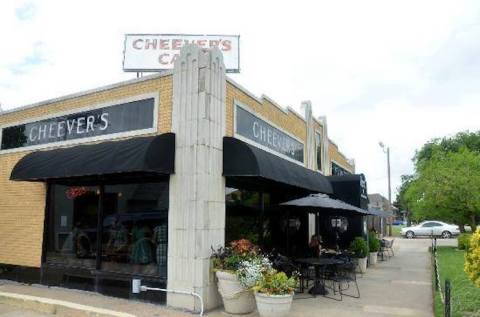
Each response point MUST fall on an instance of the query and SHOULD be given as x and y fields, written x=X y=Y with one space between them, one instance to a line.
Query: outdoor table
x=319 y=264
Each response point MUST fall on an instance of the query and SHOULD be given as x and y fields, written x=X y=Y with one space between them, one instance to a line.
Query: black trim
x=243 y=162
x=135 y=157
x=23 y=274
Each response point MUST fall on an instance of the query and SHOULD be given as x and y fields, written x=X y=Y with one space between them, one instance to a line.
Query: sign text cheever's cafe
x=153 y=52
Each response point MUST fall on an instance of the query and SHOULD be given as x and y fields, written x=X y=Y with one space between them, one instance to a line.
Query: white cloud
x=399 y=71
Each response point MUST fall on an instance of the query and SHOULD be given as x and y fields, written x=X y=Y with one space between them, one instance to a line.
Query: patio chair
x=343 y=278
x=284 y=264
x=386 y=248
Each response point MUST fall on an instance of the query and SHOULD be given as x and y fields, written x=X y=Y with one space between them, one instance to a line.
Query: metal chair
x=341 y=276
x=386 y=248
x=284 y=264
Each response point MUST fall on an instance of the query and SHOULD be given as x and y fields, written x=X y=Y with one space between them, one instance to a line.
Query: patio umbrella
x=323 y=201
x=380 y=213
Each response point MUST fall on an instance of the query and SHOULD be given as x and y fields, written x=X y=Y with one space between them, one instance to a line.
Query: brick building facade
x=196 y=101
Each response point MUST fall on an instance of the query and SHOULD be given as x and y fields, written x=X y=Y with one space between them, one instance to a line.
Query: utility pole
x=389 y=191
x=386 y=149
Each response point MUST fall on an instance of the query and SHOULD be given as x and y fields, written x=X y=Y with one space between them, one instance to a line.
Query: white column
x=310 y=148
x=327 y=165
x=197 y=189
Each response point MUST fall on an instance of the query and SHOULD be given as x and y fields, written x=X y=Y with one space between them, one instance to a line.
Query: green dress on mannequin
x=142 y=252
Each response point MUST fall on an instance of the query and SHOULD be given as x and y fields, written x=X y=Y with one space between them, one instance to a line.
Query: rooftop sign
x=154 y=52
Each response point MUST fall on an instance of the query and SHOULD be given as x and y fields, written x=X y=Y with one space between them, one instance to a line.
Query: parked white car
x=431 y=228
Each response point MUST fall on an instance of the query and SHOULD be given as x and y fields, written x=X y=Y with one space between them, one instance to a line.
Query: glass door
x=72 y=226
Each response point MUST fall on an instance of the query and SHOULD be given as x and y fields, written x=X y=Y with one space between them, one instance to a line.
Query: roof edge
x=87 y=92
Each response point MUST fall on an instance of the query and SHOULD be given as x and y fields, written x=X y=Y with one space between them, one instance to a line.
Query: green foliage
x=373 y=242
x=468 y=140
x=445 y=186
x=472 y=259
x=359 y=247
x=401 y=201
x=464 y=241
x=276 y=283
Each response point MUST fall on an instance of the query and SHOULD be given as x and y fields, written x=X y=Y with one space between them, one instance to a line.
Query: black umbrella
x=323 y=201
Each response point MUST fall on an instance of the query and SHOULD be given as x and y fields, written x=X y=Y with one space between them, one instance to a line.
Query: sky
x=400 y=72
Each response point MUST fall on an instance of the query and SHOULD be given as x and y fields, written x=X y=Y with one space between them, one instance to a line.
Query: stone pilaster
x=327 y=165
x=197 y=189
x=310 y=146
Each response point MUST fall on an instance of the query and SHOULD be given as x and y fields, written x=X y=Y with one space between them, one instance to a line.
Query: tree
x=469 y=140
x=443 y=184
x=401 y=201
x=446 y=186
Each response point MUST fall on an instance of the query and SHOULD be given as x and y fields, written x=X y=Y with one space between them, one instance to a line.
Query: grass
x=396 y=231
x=465 y=300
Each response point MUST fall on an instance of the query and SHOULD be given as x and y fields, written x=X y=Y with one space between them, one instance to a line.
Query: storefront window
x=135 y=223
x=72 y=234
x=258 y=217
x=134 y=227
x=318 y=152
x=244 y=210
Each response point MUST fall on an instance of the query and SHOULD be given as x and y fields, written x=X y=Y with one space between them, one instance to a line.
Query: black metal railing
x=445 y=293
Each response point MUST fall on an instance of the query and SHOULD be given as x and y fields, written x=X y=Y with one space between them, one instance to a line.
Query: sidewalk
x=69 y=302
x=400 y=286
x=12 y=311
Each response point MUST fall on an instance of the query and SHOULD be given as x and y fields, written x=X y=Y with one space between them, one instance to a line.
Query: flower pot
x=372 y=258
x=273 y=305
x=236 y=299
x=361 y=265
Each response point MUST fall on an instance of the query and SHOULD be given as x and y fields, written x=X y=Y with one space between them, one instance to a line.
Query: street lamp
x=386 y=149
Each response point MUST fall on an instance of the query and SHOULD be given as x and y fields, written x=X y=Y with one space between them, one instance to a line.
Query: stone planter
x=273 y=305
x=361 y=266
x=372 y=258
x=236 y=299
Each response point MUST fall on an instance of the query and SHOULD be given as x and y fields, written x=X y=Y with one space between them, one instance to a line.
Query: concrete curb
x=57 y=307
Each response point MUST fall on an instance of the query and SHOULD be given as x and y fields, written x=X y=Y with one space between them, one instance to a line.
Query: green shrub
x=359 y=247
x=276 y=283
x=464 y=241
x=373 y=242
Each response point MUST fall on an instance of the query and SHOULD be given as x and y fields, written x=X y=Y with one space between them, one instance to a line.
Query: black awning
x=147 y=156
x=242 y=160
x=351 y=188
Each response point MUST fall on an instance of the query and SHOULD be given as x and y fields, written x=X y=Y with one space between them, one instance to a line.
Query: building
x=142 y=178
x=379 y=203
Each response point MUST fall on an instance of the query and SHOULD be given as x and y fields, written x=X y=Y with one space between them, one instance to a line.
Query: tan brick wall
x=288 y=121
x=163 y=85
x=339 y=158
x=22 y=204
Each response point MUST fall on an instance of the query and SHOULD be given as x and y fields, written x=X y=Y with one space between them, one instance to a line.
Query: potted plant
x=374 y=247
x=237 y=268
x=274 y=293
x=359 y=249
